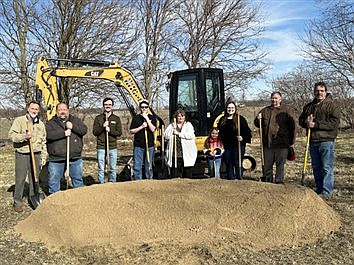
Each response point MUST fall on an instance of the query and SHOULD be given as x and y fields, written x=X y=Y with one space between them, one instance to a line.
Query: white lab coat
x=189 y=147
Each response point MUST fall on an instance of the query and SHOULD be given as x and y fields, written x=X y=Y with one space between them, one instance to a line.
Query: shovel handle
x=147 y=150
x=175 y=144
x=33 y=160
x=261 y=144
x=214 y=164
x=107 y=149
x=239 y=145
x=67 y=173
x=304 y=169
x=163 y=143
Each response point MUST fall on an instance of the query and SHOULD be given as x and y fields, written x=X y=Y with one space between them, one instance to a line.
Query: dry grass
x=337 y=248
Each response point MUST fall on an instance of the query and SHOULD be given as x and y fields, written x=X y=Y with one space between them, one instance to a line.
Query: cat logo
x=94 y=73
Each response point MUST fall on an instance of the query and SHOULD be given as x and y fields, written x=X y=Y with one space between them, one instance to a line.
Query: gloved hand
x=208 y=152
x=43 y=161
x=217 y=151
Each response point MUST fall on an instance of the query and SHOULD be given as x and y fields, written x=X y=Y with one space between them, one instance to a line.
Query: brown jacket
x=99 y=131
x=278 y=126
x=326 y=117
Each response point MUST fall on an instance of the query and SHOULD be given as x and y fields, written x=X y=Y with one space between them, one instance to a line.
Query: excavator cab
x=200 y=93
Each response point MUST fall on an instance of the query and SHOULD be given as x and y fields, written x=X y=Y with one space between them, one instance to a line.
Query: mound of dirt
x=252 y=214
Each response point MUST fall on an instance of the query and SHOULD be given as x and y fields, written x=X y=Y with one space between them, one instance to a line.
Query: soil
x=254 y=215
x=184 y=221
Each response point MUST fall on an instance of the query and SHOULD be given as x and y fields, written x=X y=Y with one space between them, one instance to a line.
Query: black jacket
x=326 y=117
x=228 y=132
x=139 y=137
x=56 y=139
x=99 y=131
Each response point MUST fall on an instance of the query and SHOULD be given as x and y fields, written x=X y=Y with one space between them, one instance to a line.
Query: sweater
x=189 y=147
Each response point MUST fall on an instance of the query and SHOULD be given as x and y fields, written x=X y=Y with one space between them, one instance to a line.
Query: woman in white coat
x=181 y=151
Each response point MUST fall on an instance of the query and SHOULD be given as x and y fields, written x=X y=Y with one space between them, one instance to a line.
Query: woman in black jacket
x=228 y=132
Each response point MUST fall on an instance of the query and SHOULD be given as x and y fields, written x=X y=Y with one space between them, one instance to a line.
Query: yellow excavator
x=200 y=92
x=47 y=79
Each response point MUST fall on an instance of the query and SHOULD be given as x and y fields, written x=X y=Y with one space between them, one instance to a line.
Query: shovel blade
x=303 y=175
x=69 y=184
x=36 y=199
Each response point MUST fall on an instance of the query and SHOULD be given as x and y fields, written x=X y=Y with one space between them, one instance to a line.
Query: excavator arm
x=47 y=85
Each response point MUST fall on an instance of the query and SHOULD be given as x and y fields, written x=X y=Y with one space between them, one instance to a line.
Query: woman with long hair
x=234 y=133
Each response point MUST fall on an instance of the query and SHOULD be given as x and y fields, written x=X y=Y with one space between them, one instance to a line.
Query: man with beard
x=62 y=128
x=23 y=129
x=107 y=127
x=321 y=117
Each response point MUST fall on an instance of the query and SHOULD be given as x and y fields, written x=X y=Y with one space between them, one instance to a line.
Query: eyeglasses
x=144 y=107
x=107 y=104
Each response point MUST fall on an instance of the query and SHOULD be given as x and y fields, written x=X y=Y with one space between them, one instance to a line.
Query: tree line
x=153 y=37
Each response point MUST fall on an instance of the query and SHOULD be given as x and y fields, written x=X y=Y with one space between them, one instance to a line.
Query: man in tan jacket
x=23 y=129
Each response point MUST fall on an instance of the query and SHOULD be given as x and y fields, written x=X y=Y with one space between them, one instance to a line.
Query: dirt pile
x=252 y=214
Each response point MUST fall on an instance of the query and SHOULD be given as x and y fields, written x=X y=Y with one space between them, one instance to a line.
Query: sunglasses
x=144 y=107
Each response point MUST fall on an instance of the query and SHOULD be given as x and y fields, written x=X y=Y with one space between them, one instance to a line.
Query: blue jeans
x=140 y=159
x=101 y=161
x=231 y=161
x=214 y=167
x=56 y=172
x=322 y=160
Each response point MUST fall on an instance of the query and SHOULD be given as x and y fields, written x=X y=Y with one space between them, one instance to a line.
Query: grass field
x=337 y=248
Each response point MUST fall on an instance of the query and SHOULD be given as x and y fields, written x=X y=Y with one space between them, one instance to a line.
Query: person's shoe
x=19 y=208
x=317 y=191
x=325 y=196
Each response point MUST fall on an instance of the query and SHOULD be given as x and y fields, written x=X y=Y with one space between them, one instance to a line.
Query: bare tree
x=330 y=40
x=152 y=61
x=210 y=33
x=92 y=29
x=216 y=33
x=16 y=54
x=62 y=29
x=297 y=88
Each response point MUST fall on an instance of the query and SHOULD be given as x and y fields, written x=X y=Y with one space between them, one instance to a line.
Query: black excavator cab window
x=200 y=92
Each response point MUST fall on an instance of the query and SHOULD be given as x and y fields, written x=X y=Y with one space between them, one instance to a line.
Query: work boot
x=279 y=182
x=19 y=208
